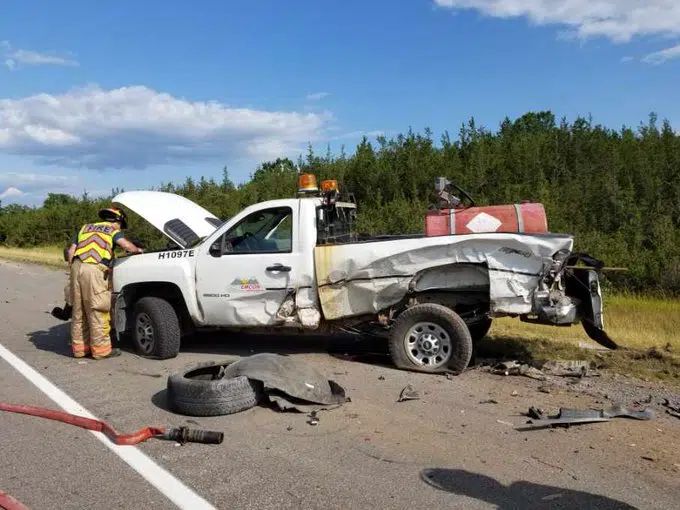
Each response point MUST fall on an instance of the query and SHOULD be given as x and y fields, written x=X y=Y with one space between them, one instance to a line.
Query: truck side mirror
x=216 y=248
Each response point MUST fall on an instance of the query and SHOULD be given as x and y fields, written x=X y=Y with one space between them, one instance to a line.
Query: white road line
x=166 y=483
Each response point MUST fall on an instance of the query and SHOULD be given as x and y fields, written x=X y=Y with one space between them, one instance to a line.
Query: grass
x=634 y=322
x=648 y=330
x=45 y=255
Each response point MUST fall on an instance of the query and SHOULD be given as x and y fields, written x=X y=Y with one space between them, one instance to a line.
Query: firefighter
x=90 y=256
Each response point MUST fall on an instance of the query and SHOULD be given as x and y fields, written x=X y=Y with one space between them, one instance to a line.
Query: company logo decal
x=247 y=284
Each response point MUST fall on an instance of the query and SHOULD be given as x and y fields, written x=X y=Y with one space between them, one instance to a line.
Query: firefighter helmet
x=114 y=214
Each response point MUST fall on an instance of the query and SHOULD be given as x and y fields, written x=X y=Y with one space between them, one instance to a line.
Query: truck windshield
x=335 y=224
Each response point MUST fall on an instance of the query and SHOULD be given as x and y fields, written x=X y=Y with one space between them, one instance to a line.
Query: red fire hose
x=7 y=502
x=180 y=434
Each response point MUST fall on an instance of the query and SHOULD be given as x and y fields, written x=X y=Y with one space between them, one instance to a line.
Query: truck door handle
x=279 y=267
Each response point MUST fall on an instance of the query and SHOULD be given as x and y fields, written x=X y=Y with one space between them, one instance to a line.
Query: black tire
x=196 y=392
x=158 y=316
x=460 y=351
x=479 y=329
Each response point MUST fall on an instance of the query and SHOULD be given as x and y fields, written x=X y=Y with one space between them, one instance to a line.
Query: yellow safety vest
x=95 y=243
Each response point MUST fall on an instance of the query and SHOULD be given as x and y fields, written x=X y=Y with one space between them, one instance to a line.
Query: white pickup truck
x=298 y=264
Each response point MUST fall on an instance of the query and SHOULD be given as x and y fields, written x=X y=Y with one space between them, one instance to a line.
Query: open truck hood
x=181 y=220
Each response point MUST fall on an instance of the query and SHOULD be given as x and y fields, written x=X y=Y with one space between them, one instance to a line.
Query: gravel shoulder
x=369 y=453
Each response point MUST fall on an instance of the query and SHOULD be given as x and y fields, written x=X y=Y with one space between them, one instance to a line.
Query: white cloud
x=16 y=185
x=15 y=58
x=11 y=192
x=618 y=20
x=32 y=181
x=136 y=127
x=659 y=57
x=317 y=96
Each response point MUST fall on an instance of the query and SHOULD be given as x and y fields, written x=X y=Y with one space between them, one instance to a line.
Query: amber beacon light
x=329 y=185
x=307 y=183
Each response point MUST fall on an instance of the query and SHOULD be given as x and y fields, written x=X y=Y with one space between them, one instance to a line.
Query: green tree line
x=616 y=191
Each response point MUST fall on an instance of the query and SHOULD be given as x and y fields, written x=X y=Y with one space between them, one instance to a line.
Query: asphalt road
x=370 y=453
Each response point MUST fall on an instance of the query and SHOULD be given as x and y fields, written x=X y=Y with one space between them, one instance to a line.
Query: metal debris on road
x=535 y=413
x=579 y=416
x=313 y=419
x=672 y=408
x=408 y=393
x=577 y=369
x=517 y=368
x=569 y=369
x=647 y=400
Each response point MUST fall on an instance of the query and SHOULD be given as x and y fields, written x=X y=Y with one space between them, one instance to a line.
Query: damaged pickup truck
x=298 y=265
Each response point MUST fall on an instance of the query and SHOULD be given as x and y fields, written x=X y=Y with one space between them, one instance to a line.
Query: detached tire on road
x=198 y=391
x=156 y=331
x=430 y=338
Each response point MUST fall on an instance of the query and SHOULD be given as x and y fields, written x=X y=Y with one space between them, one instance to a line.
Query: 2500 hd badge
x=176 y=254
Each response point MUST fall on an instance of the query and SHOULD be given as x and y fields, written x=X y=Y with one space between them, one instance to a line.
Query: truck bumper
x=580 y=301
x=585 y=284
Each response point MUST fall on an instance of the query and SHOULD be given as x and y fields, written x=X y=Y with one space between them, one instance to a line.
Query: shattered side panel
x=365 y=278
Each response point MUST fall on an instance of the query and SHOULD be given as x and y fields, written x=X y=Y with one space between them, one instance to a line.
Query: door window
x=266 y=231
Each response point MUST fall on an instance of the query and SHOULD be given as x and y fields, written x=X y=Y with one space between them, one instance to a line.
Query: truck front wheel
x=156 y=332
x=430 y=338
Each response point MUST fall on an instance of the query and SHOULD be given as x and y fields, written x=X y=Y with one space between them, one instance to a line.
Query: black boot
x=63 y=314
x=58 y=313
x=113 y=354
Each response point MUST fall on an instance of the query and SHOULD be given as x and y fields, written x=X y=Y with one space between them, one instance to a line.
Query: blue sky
x=130 y=94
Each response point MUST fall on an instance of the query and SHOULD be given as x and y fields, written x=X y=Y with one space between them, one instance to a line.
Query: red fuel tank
x=527 y=217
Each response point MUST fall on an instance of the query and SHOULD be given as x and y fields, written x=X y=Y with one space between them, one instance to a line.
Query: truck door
x=243 y=277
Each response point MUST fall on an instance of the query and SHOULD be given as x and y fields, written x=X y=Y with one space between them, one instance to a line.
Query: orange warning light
x=307 y=182
x=329 y=185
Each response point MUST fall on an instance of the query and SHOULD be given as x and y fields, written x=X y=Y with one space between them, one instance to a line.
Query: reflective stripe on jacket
x=95 y=243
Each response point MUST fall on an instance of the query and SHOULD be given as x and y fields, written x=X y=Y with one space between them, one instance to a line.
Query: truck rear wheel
x=156 y=332
x=430 y=338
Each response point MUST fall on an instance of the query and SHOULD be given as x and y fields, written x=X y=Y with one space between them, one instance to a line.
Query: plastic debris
x=408 y=393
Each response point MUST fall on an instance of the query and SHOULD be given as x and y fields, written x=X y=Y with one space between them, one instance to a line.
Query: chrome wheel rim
x=145 y=333
x=428 y=345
